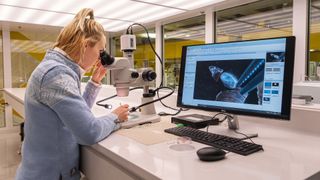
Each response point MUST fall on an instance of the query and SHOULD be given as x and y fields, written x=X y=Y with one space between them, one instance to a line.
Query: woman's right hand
x=122 y=112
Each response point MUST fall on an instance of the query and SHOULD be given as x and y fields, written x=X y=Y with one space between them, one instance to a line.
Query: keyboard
x=219 y=141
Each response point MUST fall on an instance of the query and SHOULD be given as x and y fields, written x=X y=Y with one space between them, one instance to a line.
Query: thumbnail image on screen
x=238 y=81
x=275 y=56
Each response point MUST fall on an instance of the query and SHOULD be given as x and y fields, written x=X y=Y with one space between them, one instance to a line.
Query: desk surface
x=17 y=93
x=289 y=154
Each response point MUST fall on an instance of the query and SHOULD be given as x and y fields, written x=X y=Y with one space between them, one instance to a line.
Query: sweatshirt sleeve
x=60 y=91
x=90 y=93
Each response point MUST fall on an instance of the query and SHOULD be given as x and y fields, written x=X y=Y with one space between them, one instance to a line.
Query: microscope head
x=122 y=75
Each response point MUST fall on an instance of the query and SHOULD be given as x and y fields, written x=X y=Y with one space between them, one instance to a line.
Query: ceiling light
x=159 y=15
x=122 y=26
x=151 y=35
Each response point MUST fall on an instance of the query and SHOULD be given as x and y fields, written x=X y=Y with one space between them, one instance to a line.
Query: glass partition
x=28 y=48
x=260 y=19
x=314 y=40
x=177 y=34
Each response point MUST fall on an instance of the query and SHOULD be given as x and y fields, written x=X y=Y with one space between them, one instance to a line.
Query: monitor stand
x=233 y=124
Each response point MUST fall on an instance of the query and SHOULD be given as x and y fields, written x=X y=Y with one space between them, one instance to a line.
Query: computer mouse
x=211 y=154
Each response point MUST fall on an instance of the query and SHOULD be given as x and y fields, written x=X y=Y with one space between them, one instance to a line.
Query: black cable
x=109 y=106
x=153 y=101
x=165 y=104
x=225 y=117
x=220 y=121
x=162 y=70
x=246 y=136
x=169 y=107
x=170 y=114
x=217 y=114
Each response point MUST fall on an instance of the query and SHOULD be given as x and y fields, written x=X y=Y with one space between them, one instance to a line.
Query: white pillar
x=6 y=56
x=7 y=70
x=209 y=26
x=159 y=48
x=299 y=28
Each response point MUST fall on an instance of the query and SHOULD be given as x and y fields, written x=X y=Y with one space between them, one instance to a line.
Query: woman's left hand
x=98 y=73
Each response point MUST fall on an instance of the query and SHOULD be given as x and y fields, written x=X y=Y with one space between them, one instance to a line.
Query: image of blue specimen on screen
x=275 y=56
x=238 y=81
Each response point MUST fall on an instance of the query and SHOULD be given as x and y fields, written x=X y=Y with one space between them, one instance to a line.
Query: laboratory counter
x=291 y=148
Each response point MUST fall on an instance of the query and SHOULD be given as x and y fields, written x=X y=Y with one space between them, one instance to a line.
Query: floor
x=9 y=157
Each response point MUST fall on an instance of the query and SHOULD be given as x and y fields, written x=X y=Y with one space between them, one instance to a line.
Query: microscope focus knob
x=149 y=75
x=134 y=75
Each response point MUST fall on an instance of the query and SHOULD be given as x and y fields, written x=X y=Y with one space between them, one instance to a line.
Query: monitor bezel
x=287 y=85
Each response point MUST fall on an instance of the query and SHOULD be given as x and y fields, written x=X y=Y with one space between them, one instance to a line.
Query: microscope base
x=137 y=118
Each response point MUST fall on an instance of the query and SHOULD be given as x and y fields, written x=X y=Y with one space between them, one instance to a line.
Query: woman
x=57 y=117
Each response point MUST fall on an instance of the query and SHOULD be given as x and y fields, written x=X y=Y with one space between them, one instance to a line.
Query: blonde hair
x=82 y=28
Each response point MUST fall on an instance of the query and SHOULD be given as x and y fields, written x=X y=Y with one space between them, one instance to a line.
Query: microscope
x=123 y=76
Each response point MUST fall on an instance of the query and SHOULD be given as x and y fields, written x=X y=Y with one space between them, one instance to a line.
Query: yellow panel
x=315 y=56
x=17 y=35
x=315 y=41
x=173 y=49
x=20 y=36
x=37 y=56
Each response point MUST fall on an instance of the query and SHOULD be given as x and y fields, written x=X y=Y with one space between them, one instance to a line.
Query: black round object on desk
x=211 y=154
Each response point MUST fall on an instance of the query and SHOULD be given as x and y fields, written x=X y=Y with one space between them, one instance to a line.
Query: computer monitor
x=251 y=77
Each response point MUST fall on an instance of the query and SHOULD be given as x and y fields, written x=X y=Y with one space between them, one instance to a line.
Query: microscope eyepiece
x=105 y=58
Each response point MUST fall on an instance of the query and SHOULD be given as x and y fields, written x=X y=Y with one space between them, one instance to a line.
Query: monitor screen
x=247 y=77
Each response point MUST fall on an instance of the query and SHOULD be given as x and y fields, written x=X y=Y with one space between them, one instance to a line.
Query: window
x=178 y=34
x=2 y=105
x=261 y=19
x=143 y=55
x=314 y=51
x=28 y=47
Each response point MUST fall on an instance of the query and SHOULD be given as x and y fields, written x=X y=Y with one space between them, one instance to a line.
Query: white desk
x=15 y=97
x=291 y=152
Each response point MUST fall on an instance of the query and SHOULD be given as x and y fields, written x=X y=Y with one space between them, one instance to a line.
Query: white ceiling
x=114 y=15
